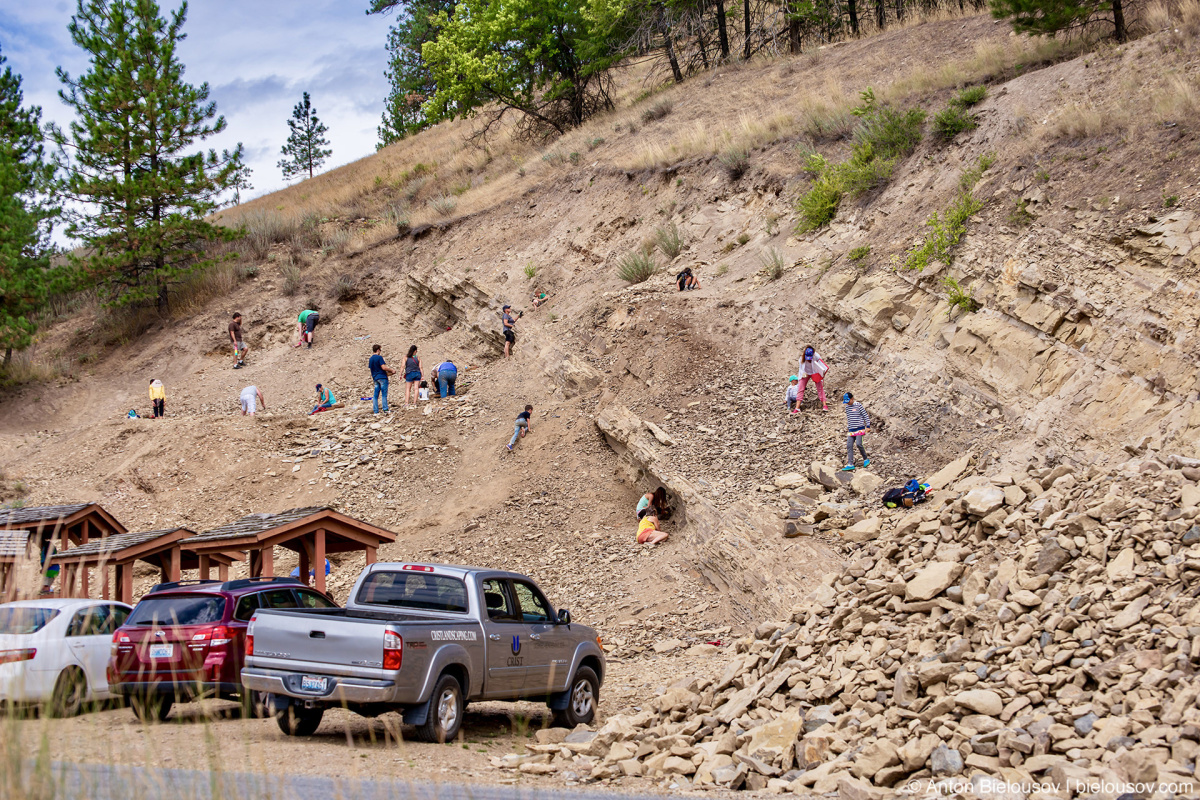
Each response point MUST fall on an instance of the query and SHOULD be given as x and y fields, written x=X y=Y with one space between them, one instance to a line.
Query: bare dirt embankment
x=1085 y=341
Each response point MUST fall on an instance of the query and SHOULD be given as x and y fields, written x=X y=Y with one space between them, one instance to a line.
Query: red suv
x=187 y=640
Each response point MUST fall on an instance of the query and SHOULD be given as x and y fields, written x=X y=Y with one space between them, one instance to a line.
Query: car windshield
x=414 y=590
x=22 y=620
x=178 y=610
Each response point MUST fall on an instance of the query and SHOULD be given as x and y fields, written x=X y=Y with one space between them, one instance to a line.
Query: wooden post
x=173 y=563
x=370 y=555
x=125 y=582
x=205 y=566
x=319 y=559
x=305 y=559
x=267 y=560
x=255 y=563
x=84 y=531
x=222 y=572
x=84 y=589
x=104 y=590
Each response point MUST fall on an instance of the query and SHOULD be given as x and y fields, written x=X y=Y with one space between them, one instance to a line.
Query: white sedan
x=55 y=652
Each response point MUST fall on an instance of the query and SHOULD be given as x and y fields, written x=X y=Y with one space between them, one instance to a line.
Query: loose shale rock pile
x=1037 y=627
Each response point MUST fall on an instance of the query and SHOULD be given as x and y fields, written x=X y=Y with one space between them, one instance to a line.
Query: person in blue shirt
x=445 y=375
x=379 y=375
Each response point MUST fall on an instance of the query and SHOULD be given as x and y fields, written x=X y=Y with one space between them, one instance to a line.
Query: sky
x=257 y=56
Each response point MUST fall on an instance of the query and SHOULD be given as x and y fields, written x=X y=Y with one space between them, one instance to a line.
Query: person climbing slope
x=307 y=324
x=521 y=427
x=510 y=334
x=239 y=344
x=158 y=396
x=813 y=368
x=858 y=425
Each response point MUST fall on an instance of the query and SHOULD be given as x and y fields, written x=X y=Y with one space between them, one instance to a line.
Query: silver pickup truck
x=424 y=639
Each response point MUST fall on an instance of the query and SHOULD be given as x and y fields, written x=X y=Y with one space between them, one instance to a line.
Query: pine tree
x=303 y=151
x=409 y=79
x=144 y=198
x=25 y=216
x=1052 y=16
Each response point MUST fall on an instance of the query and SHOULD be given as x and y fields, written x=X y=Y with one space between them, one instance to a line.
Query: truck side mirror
x=564 y=617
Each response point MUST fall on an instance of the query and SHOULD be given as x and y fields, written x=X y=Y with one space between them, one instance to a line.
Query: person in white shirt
x=792 y=398
x=250 y=398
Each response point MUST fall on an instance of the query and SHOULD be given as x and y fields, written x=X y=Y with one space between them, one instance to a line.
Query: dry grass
x=1179 y=100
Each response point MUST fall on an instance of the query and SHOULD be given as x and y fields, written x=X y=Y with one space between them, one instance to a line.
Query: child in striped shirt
x=858 y=424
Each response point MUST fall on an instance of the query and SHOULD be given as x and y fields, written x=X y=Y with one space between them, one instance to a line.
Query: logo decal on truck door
x=516 y=645
x=453 y=636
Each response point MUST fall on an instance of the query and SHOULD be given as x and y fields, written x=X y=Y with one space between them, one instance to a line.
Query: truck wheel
x=300 y=721
x=151 y=709
x=582 y=697
x=69 y=692
x=446 y=709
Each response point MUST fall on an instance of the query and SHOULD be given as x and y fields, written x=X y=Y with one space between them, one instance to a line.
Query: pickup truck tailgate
x=332 y=643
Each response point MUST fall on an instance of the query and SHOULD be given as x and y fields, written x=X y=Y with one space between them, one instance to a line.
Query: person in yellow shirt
x=648 y=532
x=159 y=397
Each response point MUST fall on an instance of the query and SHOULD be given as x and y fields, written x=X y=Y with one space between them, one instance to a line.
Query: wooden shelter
x=78 y=523
x=312 y=532
x=15 y=548
x=162 y=548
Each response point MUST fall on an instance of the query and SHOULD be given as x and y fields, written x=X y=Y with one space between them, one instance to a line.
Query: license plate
x=162 y=651
x=310 y=684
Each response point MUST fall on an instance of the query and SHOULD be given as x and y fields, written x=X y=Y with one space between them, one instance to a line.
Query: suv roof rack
x=176 y=584
x=242 y=583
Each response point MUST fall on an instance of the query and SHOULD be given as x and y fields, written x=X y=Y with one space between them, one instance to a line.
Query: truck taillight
x=119 y=639
x=250 y=639
x=393 y=649
x=26 y=654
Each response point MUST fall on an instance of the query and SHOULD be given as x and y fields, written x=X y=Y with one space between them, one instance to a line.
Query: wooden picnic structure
x=162 y=548
x=76 y=523
x=15 y=549
x=312 y=532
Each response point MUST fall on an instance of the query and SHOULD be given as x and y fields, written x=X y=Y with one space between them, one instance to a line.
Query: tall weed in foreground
x=19 y=778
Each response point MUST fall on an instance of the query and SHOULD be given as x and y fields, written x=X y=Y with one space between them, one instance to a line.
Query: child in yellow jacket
x=159 y=396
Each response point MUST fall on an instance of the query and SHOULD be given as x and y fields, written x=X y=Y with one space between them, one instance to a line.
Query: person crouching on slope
x=858 y=424
x=791 y=398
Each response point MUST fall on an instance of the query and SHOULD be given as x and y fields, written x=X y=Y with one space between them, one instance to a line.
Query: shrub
x=335 y=242
x=945 y=231
x=959 y=296
x=413 y=190
x=530 y=270
x=292 y=280
x=953 y=120
x=637 y=267
x=594 y=143
x=344 y=287
x=742 y=238
x=250 y=271
x=1019 y=217
x=735 y=160
x=882 y=138
x=723 y=269
x=669 y=240
x=443 y=205
x=773 y=263
x=657 y=111
x=859 y=253
x=398 y=215
x=970 y=96
x=1170 y=201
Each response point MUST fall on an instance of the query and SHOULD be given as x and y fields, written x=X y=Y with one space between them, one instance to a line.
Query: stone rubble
x=1037 y=627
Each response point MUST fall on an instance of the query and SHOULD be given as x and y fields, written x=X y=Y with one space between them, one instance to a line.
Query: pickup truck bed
x=424 y=639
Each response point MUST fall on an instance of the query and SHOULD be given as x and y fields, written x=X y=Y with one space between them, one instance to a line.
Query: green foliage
x=970 y=96
x=530 y=270
x=735 y=160
x=773 y=264
x=959 y=296
x=410 y=82
x=304 y=150
x=637 y=267
x=953 y=120
x=25 y=217
x=442 y=205
x=945 y=231
x=742 y=238
x=883 y=137
x=669 y=240
x=140 y=200
x=859 y=253
x=1048 y=17
x=547 y=60
x=1170 y=201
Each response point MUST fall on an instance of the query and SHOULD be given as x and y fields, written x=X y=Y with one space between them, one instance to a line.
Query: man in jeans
x=445 y=375
x=521 y=428
x=379 y=374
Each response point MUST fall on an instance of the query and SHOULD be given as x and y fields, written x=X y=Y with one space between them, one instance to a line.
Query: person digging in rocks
x=648 y=532
x=307 y=324
x=521 y=428
x=813 y=368
x=858 y=424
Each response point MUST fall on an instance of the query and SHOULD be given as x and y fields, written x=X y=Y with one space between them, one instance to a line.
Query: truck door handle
x=495 y=637
x=316 y=634
x=535 y=636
